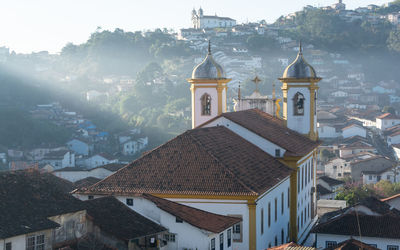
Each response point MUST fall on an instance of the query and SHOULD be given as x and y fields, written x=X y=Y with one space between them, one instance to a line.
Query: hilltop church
x=246 y=164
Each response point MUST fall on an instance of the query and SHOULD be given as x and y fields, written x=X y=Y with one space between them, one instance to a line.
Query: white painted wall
x=74 y=176
x=97 y=160
x=304 y=197
x=393 y=139
x=267 y=238
x=248 y=135
x=225 y=207
x=381 y=243
x=383 y=124
x=325 y=131
x=17 y=242
x=353 y=131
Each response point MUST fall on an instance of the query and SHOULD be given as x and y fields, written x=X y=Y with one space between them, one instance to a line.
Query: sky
x=35 y=25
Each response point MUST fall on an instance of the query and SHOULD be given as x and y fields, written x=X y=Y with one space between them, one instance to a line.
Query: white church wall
x=266 y=238
x=251 y=137
x=225 y=207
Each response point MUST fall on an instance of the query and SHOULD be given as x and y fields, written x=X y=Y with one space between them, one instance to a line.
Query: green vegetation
x=19 y=129
x=330 y=32
x=120 y=52
x=354 y=193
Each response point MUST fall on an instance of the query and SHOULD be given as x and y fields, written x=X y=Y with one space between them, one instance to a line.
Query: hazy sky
x=35 y=25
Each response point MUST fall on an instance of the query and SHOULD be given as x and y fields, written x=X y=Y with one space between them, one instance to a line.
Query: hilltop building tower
x=299 y=91
x=200 y=21
x=208 y=87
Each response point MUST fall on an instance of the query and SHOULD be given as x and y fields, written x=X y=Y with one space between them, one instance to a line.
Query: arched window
x=206 y=104
x=298 y=104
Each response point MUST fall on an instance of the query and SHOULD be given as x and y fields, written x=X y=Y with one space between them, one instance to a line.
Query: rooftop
x=205 y=161
x=199 y=218
x=272 y=129
x=39 y=197
x=331 y=181
x=122 y=222
x=388 y=116
x=385 y=226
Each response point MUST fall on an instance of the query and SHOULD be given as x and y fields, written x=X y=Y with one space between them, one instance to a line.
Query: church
x=201 y=21
x=247 y=164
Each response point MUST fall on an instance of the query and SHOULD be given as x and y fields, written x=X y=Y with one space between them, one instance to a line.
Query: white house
x=188 y=227
x=392 y=135
x=386 y=121
x=131 y=147
x=59 y=159
x=339 y=93
x=328 y=131
x=354 y=130
x=396 y=149
x=389 y=173
x=356 y=148
x=74 y=174
x=80 y=146
x=337 y=168
x=331 y=184
x=99 y=160
x=376 y=220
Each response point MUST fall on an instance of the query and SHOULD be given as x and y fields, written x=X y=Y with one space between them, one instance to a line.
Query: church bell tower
x=208 y=87
x=300 y=97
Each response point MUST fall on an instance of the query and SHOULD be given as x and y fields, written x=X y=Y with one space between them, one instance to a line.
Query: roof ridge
x=138 y=159
x=220 y=162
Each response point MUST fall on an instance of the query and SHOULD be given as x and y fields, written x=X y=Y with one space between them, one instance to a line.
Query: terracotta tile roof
x=111 y=167
x=391 y=197
x=115 y=218
x=86 y=182
x=27 y=199
x=352 y=244
x=291 y=246
x=388 y=116
x=272 y=129
x=199 y=218
x=385 y=226
x=206 y=161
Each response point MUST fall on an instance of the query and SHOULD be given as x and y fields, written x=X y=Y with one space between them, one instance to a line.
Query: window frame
x=330 y=244
x=229 y=237
x=129 y=202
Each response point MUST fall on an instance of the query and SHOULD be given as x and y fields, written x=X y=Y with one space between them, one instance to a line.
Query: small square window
x=178 y=220
x=392 y=247
x=277 y=152
x=90 y=197
x=8 y=246
x=129 y=201
x=330 y=244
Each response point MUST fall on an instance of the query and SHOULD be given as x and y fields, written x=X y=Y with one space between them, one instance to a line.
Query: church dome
x=299 y=68
x=208 y=68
